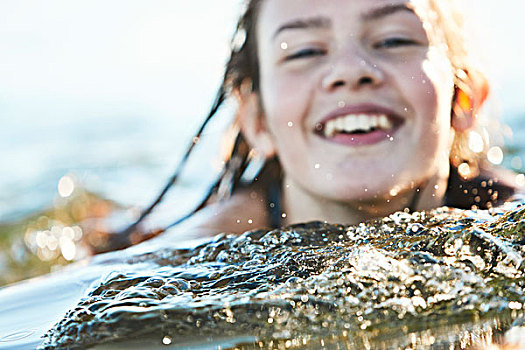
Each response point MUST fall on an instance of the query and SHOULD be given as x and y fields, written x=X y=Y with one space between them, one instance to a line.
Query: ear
x=252 y=123
x=470 y=93
x=462 y=111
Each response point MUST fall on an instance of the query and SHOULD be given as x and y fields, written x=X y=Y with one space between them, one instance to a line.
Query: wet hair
x=242 y=72
x=241 y=67
x=471 y=83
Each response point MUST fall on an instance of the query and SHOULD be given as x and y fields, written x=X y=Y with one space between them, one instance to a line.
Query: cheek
x=428 y=89
x=283 y=98
x=440 y=86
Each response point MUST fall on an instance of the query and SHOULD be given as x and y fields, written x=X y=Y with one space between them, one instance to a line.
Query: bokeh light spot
x=66 y=186
x=495 y=155
x=68 y=248
x=520 y=180
x=464 y=170
x=475 y=142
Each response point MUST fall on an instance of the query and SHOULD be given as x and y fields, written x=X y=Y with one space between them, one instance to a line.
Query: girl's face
x=355 y=97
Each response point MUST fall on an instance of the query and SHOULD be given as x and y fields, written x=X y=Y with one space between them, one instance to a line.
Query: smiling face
x=355 y=98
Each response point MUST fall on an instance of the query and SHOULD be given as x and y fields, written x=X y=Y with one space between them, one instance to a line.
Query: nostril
x=365 y=80
x=338 y=83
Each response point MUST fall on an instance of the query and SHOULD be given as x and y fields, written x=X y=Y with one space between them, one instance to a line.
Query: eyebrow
x=387 y=10
x=322 y=22
x=314 y=22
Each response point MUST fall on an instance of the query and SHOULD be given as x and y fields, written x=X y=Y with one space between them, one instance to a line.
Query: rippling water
x=441 y=279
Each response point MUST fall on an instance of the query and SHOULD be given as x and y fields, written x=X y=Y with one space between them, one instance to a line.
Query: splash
x=444 y=278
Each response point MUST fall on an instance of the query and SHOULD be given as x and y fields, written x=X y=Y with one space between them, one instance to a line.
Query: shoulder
x=491 y=187
x=244 y=211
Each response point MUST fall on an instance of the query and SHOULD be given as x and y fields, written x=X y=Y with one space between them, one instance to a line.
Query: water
x=66 y=110
x=443 y=279
x=52 y=297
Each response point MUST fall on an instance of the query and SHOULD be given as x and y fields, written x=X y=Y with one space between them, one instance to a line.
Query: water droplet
x=464 y=170
x=284 y=45
x=166 y=340
x=290 y=124
x=317 y=166
x=394 y=191
x=515 y=305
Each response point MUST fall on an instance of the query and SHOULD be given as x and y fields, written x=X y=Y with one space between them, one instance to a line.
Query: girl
x=356 y=110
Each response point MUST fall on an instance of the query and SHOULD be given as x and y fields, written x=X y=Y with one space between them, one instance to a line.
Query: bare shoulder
x=244 y=211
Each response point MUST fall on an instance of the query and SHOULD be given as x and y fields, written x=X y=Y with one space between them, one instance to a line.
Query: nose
x=352 y=70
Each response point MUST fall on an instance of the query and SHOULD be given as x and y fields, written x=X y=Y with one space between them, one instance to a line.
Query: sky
x=162 y=58
x=109 y=56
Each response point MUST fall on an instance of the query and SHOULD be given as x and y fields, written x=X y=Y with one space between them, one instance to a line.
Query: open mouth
x=359 y=128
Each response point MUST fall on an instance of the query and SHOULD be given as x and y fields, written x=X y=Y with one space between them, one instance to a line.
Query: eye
x=390 y=43
x=305 y=53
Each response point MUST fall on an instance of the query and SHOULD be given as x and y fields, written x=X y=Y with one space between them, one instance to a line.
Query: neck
x=301 y=205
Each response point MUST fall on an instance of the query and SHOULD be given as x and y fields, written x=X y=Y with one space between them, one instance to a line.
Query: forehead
x=275 y=13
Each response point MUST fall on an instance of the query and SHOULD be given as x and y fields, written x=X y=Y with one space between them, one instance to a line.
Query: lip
x=362 y=139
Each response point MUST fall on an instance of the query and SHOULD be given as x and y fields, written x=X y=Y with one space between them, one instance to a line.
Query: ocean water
x=445 y=278
x=128 y=159
x=124 y=159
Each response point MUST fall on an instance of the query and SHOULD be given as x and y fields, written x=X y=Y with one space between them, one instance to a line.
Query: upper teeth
x=354 y=122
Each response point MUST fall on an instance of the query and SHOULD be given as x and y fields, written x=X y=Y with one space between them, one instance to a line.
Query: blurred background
x=99 y=98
